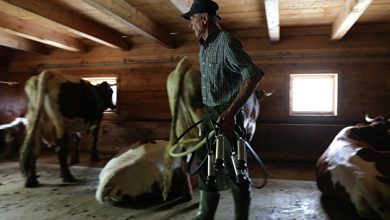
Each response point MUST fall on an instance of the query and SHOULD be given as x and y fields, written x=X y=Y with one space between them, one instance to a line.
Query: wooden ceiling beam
x=50 y=13
x=19 y=43
x=273 y=21
x=26 y=29
x=182 y=5
x=124 y=12
x=347 y=17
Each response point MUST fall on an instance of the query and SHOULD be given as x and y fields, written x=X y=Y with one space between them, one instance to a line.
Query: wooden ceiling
x=76 y=25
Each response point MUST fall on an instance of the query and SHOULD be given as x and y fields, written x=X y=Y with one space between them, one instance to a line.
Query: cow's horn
x=269 y=93
x=368 y=118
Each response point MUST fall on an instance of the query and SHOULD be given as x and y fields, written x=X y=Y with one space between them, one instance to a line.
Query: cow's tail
x=30 y=148
x=177 y=76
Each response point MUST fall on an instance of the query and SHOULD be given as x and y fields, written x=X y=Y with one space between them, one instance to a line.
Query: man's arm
x=240 y=62
x=227 y=118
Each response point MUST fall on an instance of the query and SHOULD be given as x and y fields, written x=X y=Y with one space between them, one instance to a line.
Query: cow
x=123 y=179
x=112 y=179
x=11 y=137
x=13 y=101
x=12 y=111
x=59 y=105
x=75 y=139
x=355 y=168
x=12 y=124
x=251 y=110
x=184 y=93
x=134 y=177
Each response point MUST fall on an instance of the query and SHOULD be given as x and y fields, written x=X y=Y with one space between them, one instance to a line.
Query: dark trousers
x=211 y=116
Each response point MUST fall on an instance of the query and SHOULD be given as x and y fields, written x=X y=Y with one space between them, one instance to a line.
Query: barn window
x=313 y=94
x=110 y=80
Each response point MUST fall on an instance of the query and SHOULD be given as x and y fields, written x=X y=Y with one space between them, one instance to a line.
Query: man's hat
x=202 y=6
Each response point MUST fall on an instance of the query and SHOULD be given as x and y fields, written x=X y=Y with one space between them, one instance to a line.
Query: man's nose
x=190 y=25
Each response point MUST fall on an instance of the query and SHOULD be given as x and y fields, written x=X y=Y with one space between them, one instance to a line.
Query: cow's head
x=105 y=95
x=376 y=132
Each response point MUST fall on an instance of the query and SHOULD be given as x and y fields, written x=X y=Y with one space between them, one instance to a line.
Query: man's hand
x=227 y=120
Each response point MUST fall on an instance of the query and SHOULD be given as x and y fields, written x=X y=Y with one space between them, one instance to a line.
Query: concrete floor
x=295 y=198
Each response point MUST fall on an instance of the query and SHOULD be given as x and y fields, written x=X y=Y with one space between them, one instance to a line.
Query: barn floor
x=291 y=193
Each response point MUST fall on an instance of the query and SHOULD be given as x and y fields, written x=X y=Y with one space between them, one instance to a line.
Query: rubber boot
x=208 y=203
x=242 y=200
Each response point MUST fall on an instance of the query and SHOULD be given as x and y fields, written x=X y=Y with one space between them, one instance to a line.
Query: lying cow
x=136 y=175
x=356 y=168
x=58 y=105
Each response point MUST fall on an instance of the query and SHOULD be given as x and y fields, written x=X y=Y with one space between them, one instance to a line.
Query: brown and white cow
x=251 y=111
x=12 y=124
x=123 y=178
x=11 y=137
x=356 y=168
x=184 y=93
x=13 y=101
x=135 y=176
x=59 y=105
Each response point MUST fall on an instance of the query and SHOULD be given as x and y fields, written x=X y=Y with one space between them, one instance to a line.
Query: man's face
x=197 y=24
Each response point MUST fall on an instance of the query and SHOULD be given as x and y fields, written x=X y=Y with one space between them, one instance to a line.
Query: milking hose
x=191 y=140
x=201 y=143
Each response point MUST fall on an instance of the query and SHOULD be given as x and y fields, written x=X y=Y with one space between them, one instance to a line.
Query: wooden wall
x=5 y=55
x=13 y=102
x=362 y=60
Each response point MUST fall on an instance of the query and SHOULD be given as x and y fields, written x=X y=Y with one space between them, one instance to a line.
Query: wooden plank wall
x=13 y=102
x=362 y=60
x=5 y=55
x=12 y=97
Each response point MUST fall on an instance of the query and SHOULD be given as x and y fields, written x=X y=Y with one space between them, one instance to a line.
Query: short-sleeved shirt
x=224 y=65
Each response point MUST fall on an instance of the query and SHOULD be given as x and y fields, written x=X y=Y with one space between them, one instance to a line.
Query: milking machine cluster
x=215 y=157
x=215 y=143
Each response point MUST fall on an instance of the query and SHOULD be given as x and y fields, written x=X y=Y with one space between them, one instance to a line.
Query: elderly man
x=228 y=79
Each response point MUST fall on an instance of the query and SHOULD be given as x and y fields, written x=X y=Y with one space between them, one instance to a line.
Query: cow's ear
x=104 y=84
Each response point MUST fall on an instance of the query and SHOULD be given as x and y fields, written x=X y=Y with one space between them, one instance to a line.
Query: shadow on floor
x=336 y=210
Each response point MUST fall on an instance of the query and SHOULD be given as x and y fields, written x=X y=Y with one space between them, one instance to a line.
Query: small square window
x=112 y=81
x=313 y=94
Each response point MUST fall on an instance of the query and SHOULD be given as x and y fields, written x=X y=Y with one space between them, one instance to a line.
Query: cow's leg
x=94 y=153
x=31 y=174
x=9 y=139
x=75 y=141
x=62 y=152
x=181 y=187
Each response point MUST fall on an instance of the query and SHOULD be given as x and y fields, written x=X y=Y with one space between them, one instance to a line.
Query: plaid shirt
x=224 y=66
